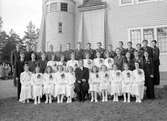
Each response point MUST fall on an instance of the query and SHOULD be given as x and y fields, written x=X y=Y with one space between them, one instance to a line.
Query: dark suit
x=32 y=65
x=149 y=83
x=101 y=51
x=91 y=53
x=130 y=63
x=112 y=54
x=81 y=89
x=15 y=57
x=123 y=51
x=19 y=70
x=131 y=51
x=149 y=50
x=42 y=64
x=27 y=55
x=79 y=54
x=156 y=62
x=119 y=61
x=140 y=61
x=67 y=54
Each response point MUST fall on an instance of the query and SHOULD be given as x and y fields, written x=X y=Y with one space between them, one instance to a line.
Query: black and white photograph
x=83 y=60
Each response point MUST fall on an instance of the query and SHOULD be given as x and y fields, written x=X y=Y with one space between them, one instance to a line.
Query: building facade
x=106 y=21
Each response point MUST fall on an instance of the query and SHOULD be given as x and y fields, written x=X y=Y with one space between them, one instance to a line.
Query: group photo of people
x=96 y=75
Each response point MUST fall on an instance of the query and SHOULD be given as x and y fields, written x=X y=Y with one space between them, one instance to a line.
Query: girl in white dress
x=37 y=82
x=108 y=61
x=70 y=77
x=116 y=80
x=25 y=79
x=48 y=84
x=94 y=83
x=98 y=61
x=138 y=83
x=61 y=83
x=104 y=83
x=72 y=62
x=61 y=62
x=52 y=63
x=127 y=83
x=88 y=62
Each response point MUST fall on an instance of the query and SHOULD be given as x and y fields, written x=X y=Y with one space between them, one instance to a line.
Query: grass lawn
x=149 y=110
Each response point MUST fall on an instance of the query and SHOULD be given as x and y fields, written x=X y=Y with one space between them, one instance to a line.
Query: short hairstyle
x=154 y=41
x=121 y=42
x=145 y=41
x=130 y=42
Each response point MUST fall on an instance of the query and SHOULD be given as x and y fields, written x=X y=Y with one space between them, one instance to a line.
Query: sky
x=16 y=14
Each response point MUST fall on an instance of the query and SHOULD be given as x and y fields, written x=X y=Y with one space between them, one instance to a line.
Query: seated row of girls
x=114 y=82
x=59 y=84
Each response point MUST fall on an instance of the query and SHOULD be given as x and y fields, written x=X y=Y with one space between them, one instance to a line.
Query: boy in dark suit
x=19 y=70
x=156 y=62
x=81 y=84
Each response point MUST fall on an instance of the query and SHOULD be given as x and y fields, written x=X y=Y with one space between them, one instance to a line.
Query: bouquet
x=128 y=75
x=50 y=77
x=97 y=75
x=63 y=76
x=38 y=76
x=118 y=73
x=139 y=72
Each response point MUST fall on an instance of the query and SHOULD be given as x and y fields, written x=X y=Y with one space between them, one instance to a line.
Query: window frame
x=63 y=7
x=126 y=4
x=142 y=33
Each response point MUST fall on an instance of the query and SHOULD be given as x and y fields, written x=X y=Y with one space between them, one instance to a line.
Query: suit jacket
x=130 y=64
x=131 y=51
x=119 y=61
x=91 y=53
x=149 y=50
x=79 y=54
x=82 y=74
x=27 y=56
x=15 y=56
x=123 y=51
x=112 y=54
x=156 y=53
x=148 y=67
x=42 y=64
x=19 y=68
x=32 y=65
x=67 y=54
x=101 y=51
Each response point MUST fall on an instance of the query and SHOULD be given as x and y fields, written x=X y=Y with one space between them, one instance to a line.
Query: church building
x=105 y=21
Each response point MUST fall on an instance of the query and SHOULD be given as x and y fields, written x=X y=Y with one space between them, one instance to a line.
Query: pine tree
x=31 y=35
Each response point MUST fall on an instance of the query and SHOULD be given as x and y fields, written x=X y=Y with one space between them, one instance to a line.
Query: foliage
x=31 y=34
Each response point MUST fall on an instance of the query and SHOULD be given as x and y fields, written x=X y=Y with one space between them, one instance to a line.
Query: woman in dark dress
x=148 y=70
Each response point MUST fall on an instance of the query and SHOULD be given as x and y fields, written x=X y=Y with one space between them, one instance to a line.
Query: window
x=126 y=2
x=64 y=7
x=135 y=36
x=148 y=34
x=53 y=7
x=162 y=38
x=60 y=27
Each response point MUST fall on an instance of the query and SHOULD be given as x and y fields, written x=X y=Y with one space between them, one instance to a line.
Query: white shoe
x=139 y=101
x=96 y=100
x=124 y=101
x=28 y=101
x=103 y=100
x=35 y=103
x=128 y=101
x=91 y=100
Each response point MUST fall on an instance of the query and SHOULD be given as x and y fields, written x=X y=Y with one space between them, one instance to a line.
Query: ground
x=149 y=110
